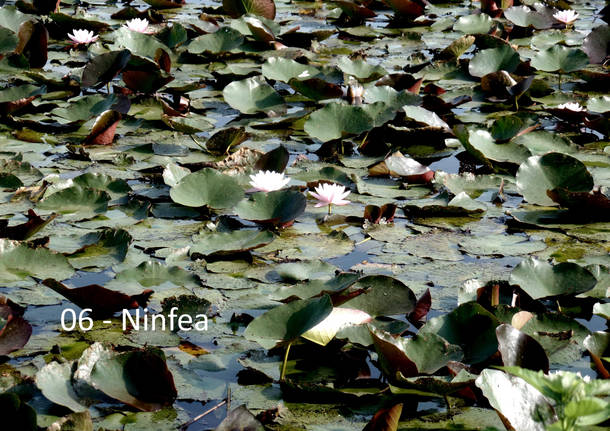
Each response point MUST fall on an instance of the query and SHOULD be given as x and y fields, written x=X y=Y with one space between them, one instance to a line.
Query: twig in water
x=207 y=412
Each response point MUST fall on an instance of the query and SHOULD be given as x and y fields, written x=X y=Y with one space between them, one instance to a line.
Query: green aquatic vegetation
x=303 y=215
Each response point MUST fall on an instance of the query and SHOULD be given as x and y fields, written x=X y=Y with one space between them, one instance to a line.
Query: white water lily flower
x=82 y=37
x=330 y=194
x=268 y=181
x=571 y=106
x=566 y=16
x=138 y=25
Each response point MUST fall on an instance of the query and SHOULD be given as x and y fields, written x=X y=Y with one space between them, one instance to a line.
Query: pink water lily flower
x=138 y=25
x=566 y=16
x=268 y=181
x=330 y=194
x=79 y=37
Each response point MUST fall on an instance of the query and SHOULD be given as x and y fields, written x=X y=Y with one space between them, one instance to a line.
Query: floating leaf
x=253 y=95
x=469 y=326
x=207 y=187
x=277 y=208
x=360 y=69
x=474 y=24
x=380 y=295
x=284 y=69
x=224 y=40
x=335 y=120
x=538 y=174
x=423 y=354
x=18 y=262
x=541 y=279
x=237 y=8
x=77 y=201
x=230 y=242
x=338 y=319
x=33 y=40
x=523 y=16
x=55 y=382
x=15 y=331
x=493 y=60
x=139 y=378
x=223 y=141
x=560 y=58
x=289 y=321
x=103 y=68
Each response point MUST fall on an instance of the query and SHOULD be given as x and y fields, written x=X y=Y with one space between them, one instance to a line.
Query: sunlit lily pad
x=541 y=279
x=20 y=262
x=207 y=187
x=253 y=95
x=539 y=174
x=492 y=60
x=289 y=321
x=230 y=242
x=560 y=58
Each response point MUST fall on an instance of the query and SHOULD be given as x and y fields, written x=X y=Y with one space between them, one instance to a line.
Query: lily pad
x=230 y=242
x=207 y=187
x=538 y=174
x=469 y=326
x=494 y=59
x=542 y=280
x=289 y=321
x=253 y=95
x=560 y=58
x=278 y=207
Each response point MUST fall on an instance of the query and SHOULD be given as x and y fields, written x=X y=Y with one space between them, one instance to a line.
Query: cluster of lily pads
x=158 y=155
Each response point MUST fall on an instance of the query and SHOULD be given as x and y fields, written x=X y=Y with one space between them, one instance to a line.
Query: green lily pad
x=422 y=354
x=207 y=187
x=538 y=174
x=138 y=43
x=152 y=274
x=18 y=262
x=599 y=104
x=277 y=207
x=77 y=201
x=469 y=326
x=541 y=279
x=224 y=40
x=253 y=95
x=493 y=60
x=288 y=321
x=381 y=296
x=337 y=119
x=541 y=142
x=236 y=8
x=285 y=69
x=230 y=242
x=138 y=378
x=8 y=40
x=360 y=69
x=483 y=146
x=474 y=24
x=560 y=59
x=523 y=16
x=55 y=382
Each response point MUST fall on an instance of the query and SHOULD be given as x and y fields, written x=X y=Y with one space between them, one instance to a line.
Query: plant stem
x=283 y=373
x=329 y=208
x=559 y=86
